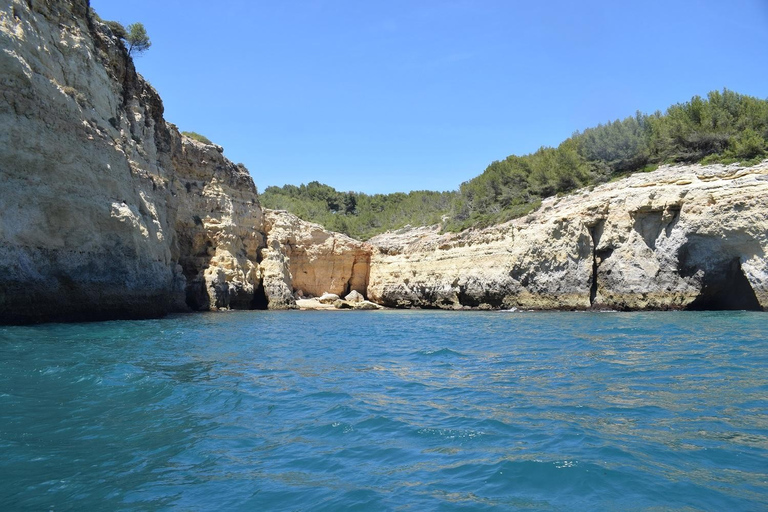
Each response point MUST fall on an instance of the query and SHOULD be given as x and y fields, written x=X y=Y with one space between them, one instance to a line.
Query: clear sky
x=398 y=95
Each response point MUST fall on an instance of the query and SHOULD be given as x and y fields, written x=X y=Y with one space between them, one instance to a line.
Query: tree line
x=724 y=127
x=357 y=214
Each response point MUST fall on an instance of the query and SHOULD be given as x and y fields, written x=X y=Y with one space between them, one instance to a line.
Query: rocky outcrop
x=84 y=219
x=106 y=211
x=302 y=257
x=219 y=227
x=690 y=237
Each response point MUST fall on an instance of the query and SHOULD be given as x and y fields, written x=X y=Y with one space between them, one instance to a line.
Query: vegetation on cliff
x=357 y=214
x=198 y=137
x=723 y=127
x=135 y=36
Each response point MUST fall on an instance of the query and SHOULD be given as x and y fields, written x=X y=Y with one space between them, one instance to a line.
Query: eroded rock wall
x=84 y=222
x=303 y=257
x=106 y=211
x=219 y=227
x=679 y=237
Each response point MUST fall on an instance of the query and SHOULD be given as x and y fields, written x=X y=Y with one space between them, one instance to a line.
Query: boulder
x=342 y=304
x=365 y=304
x=328 y=298
x=354 y=296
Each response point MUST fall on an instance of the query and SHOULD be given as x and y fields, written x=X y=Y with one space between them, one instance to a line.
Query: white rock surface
x=354 y=296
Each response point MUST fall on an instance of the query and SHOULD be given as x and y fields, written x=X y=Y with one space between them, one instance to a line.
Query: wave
x=443 y=352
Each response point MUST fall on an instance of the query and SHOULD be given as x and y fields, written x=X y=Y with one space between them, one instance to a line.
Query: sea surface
x=387 y=410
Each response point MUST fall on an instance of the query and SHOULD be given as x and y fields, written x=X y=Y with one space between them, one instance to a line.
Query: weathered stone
x=354 y=296
x=219 y=227
x=328 y=298
x=106 y=211
x=303 y=256
x=342 y=304
x=680 y=237
x=365 y=304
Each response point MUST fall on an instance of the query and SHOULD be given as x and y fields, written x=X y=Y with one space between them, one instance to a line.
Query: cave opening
x=196 y=296
x=595 y=233
x=259 y=298
x=726 y=290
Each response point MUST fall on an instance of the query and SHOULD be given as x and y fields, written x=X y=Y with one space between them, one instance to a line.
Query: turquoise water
x=394 y=410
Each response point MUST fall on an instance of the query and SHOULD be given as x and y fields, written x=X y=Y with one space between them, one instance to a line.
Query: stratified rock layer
x=219 y=226
x=680 y=237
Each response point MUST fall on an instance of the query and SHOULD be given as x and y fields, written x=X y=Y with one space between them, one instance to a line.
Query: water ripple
x=392 y=410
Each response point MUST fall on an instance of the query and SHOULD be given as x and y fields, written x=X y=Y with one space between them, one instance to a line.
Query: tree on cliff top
x=137 y=38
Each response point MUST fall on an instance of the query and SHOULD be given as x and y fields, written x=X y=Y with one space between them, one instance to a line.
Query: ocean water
x=388 y=410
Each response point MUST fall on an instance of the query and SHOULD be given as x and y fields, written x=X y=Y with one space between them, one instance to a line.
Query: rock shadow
x=650 y=224
x=725 y=289
x=259 y=298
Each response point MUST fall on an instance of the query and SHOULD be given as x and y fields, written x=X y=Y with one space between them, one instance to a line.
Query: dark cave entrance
x=259 y=298
x=727 y=289
x=595 y=233
x=196 y=296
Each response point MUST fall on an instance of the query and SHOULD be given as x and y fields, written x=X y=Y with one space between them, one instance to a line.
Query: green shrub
x=137 y=38
x=748 y=144
x=196 y=136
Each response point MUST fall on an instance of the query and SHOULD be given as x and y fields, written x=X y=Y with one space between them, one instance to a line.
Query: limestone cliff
x=106 y=211
x=219 y=227
x=680 y=237
x=303 y=258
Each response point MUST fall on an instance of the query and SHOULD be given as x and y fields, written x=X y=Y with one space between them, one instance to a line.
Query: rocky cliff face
x=303 y=258
x=105 y=209
x=219 y=226
x=680 y=237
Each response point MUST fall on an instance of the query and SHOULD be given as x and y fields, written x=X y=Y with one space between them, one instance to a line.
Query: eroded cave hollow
x=259 y=298
x=726 y=288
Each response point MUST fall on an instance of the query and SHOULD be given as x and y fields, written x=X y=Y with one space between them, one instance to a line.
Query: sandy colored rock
x=219 y=227
x=679 y=237
x=303 y=256
x=85 y=220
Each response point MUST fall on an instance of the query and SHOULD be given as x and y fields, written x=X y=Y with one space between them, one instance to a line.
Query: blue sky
x=385 y=96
